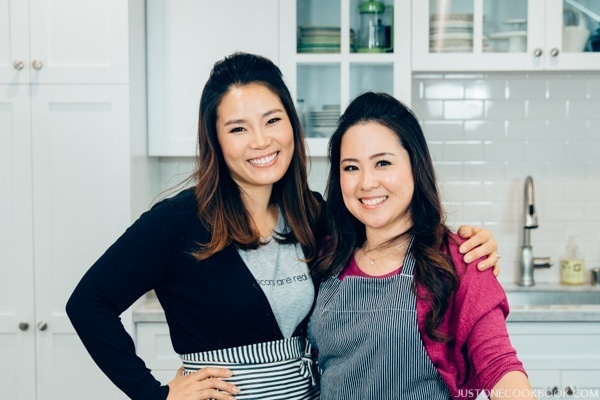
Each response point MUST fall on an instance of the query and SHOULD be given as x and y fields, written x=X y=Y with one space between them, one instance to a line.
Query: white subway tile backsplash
x=505 y=109
x=443 y=130
x=527 y=89
x=485 y=89
x=584 y=109
x=525 y=130
x=465 y=109
x=444 y=89
x=568 y=89
x=485 y=130
x=463 y=151
x=547 y=109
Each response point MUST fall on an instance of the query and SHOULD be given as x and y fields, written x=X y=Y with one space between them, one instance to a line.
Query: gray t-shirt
x=284 y=278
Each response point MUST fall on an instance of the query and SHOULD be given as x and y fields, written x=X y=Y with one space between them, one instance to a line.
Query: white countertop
x=149 y=310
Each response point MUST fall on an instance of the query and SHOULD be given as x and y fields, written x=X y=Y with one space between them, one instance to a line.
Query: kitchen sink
x=553 y=297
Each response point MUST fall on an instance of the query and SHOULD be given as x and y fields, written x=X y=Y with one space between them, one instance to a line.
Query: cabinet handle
x=23 y=326
x=554 y=52
x=570 y=390
x=18 y=65
x=537 y=53
x=37 y=65
x=42 y=325
x=552 y=391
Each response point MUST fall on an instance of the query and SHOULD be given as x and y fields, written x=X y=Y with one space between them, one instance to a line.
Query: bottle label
x=572 y=272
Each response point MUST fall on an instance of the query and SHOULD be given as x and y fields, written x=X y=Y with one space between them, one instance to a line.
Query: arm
x=480 y=243
x=513 y=385
x=117 y=279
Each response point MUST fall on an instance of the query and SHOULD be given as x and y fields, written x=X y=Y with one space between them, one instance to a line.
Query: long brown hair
x=432 y=270
x=220 y=205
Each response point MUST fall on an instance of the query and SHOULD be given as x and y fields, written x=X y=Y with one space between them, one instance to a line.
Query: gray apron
x=365 y=330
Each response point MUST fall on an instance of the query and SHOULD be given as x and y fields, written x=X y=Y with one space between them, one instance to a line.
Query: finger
x=480 y=237
x=179 y=372
x=209 y=372
x=216 y=388
x=466 y=231
x=490 y=261
x=214 y=394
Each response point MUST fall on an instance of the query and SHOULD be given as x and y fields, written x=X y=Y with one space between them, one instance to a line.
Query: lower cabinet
x=64 y=197
x=562 y=359
x=153 y=345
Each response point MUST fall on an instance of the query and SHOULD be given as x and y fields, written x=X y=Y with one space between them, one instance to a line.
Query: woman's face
x=255 y=135
x=376 y=179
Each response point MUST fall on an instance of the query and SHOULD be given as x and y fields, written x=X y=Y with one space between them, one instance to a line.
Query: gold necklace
x=392 y=251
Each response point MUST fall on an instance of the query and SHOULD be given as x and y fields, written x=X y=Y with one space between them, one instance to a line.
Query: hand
x=480 y=243
x=206 y=383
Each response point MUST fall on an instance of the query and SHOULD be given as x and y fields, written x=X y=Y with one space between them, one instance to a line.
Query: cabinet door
x=76 y=41
x=185 y=39
x=486 y=35
x=330 y=53
x=14 y=43
x=81 y=205
x=16 y=238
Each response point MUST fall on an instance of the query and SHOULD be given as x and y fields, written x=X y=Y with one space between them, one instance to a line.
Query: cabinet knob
x=552 y=391
x=554 y=52
x=570 y=390
x=42 y=325
x=37 y=65
x=18 y=65
x=538 y=52
x=23 y=326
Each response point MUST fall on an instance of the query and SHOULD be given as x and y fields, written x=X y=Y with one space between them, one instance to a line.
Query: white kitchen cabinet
x=65 y=197
x=64 y=149
x=325 y=68
x=520 y=35
x=63 y=41
x=185 y=39
x=560 y=357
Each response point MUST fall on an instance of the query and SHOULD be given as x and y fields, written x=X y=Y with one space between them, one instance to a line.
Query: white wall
x=487 y=132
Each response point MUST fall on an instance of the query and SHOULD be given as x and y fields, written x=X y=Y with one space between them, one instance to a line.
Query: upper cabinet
x=184 y=40
x=501 y=35
x=333 y=50
x=66 y=41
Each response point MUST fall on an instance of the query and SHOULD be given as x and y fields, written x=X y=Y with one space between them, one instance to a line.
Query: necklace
x=394 y=249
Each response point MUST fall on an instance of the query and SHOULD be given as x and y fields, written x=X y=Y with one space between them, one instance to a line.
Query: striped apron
x=278 y=370
x=368 y=341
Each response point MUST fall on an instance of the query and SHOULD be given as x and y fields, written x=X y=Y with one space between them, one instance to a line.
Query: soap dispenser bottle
x=572 y=271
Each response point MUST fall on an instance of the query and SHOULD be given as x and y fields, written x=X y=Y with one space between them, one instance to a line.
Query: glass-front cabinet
x=506 y=35
x=342 y=48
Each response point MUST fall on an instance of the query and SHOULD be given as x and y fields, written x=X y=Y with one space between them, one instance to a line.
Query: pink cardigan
x=480 y=352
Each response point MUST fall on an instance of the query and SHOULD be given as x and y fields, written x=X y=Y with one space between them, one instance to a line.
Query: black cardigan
x=208 y=305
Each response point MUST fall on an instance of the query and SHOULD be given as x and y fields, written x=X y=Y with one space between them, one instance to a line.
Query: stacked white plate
x=320 y=39
x=323 y=123
x=451 y=33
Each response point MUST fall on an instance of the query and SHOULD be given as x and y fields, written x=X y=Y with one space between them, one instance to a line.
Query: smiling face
x=255 y=135
x=376 y=179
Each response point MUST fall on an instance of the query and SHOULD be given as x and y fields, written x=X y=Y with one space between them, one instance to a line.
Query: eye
x=236 y=129
x=350 y=168
x=273 y=120
x=382 y=163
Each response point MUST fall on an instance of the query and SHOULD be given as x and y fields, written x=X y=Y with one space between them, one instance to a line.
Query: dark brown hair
x=220 y=205
x=432 y=270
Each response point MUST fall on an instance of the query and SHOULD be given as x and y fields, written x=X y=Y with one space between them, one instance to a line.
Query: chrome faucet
x=528 y=263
